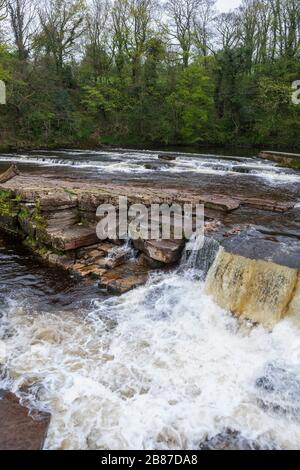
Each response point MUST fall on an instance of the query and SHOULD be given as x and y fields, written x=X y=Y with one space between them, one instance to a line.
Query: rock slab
x=20 y=429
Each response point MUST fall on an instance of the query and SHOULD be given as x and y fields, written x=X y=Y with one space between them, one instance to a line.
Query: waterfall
x=199 y=255
x=260 y=291
x=127 y=251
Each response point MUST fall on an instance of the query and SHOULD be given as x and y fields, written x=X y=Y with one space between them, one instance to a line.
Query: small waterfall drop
x=260 y=291
x=199 y=255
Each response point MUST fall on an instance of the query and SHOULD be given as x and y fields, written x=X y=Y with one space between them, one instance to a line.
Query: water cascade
x=261 y=291
x=199 y=255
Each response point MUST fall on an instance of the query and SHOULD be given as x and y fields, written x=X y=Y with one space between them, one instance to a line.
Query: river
x=161 y=367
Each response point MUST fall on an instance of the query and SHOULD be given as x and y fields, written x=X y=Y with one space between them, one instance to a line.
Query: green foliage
x=131 y=85
x=193 y=106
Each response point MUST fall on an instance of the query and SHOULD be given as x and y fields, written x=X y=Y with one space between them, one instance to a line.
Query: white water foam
x=140 y=163
x=161 y=367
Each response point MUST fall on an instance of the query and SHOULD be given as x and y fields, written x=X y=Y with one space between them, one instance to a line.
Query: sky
x=226 y=5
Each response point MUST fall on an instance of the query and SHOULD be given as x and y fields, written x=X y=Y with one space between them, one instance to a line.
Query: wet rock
x=84 y=270
x=62 y=261
x=152 y=166
x=27 y=226
x=202 y=258
x=148 y=262
x=229 y=440
x=122 y=285
x=98 y=249
x=96 y=260
x=104 y=255
x=167 y=157
x=279 y=391
x=124 y=278
x=254 y=245
x=20 y=428
x=212 y=226
x=165 y=251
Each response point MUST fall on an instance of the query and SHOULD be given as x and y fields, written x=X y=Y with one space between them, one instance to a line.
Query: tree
x=192 y=101
x=183 y=14
x=62 y=23
x=98 y=37
x=2 y=9
x=203 y=27
x=22 y=14
x=228 y=28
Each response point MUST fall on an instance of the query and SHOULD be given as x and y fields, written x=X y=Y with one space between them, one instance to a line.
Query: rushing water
x=161 y=367
x=206 y=171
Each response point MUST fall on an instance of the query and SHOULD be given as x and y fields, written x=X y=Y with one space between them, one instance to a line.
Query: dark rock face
x=20 y=430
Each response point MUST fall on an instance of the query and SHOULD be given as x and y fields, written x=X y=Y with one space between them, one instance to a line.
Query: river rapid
x=161 y=367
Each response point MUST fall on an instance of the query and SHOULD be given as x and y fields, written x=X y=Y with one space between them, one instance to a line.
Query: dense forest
x=149 y=71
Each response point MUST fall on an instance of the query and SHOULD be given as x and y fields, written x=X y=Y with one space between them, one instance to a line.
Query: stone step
x=70 y=238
